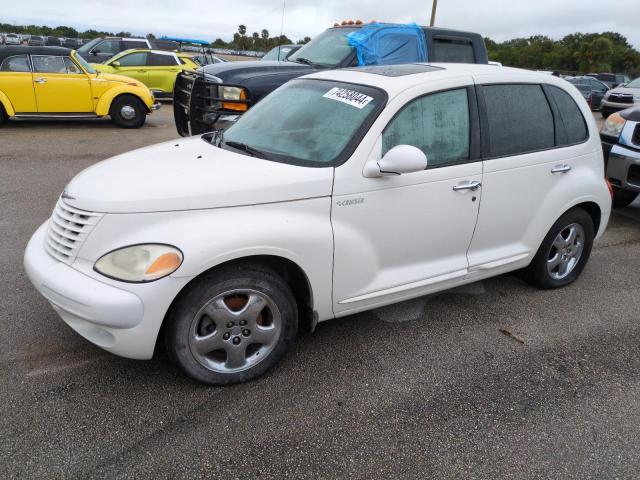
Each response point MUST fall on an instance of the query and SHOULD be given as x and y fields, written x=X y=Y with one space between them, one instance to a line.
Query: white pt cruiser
x=340 y=192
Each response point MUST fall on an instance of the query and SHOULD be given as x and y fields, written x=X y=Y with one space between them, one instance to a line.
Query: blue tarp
x=186 y=40
x=385 y=44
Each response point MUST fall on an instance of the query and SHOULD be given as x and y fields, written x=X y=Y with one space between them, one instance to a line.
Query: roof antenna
x=281 y=29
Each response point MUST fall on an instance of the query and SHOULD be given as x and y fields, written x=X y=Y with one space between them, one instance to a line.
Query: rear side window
x=571 y=121
x=129 y=44
x=455 y=50
x=437 y=124
x=19 y=63
x=157 y=60
x=519 y=119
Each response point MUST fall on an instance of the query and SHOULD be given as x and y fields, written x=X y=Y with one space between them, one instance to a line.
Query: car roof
x=397 y=78
x=24 y=50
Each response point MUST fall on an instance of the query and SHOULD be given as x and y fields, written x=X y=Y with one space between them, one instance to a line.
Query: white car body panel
x=361 y=242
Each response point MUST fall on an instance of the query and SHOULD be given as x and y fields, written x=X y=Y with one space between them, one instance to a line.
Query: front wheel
x=3 y=115
x=128 y=111
x=564 y=252
x=623 y=198
x=232 y=325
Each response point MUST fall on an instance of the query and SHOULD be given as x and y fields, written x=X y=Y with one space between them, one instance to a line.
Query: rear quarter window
x=454 y=50
x=571 y=119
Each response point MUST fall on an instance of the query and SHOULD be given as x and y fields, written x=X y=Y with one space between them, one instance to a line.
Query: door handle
x=561 y=168
x=473 y=186
x=40 y=80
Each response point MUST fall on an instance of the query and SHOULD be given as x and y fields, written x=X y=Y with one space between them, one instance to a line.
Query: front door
x=16 y=83
x=163 y=70
x=60 y=85
x=133 y=65
x=401 y=236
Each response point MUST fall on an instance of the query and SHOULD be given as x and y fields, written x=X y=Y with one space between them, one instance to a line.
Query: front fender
x=104 y=104
x=6 y=103
x=299 y=231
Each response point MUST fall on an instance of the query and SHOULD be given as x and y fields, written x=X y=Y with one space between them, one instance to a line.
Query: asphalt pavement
x=429 y=388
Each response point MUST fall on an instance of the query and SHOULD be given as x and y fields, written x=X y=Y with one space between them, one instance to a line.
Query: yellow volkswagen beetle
x=157 y=69
x=55 y=82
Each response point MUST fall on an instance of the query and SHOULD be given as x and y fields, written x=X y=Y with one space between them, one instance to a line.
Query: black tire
x=136 y=106
x=623 y=198
x=537 y=273
x=3 y=115
x=185 y=321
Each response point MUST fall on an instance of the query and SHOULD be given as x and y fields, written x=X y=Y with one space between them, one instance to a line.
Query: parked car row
x=39 y=40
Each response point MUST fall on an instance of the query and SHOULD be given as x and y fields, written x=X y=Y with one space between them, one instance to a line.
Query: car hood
x=634 y=91
x=190 y=174
x=238 y=72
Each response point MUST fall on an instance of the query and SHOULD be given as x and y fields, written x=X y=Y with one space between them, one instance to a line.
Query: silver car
x=622 y=97
x=12 y=39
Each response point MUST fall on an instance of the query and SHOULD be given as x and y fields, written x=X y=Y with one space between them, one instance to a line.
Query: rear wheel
x=232 y=325
x=564 y=251
x=3 y=115
x=622 y=198
x=128 y=111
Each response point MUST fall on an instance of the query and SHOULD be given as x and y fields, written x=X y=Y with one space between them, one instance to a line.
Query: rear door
x=60 y=85
x=16 y=82
x=163 y=69
x=526 y=177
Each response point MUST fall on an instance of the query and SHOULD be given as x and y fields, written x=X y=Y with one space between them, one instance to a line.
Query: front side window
x=519 y=119
x=108 y=46
x=437 y=124
x=72 y=67
x=18 y=63
x=158 y=60
x=48 y=64
x=308 y=122
x=571 y=119
x=133 y=59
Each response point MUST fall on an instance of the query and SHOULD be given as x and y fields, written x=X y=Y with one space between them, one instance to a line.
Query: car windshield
x=328 y=49
x=635 y=83
x=307 y=122
x=88 y=46
x=277 y=53
x=88 y=68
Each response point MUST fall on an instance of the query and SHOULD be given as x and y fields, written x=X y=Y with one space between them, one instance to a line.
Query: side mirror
x=400 y=159
x=115 y=64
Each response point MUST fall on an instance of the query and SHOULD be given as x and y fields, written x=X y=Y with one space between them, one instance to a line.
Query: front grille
x=621 y=98
x=68 y=227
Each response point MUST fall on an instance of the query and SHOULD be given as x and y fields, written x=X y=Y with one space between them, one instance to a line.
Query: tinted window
x=48 y=64
x=108 y=46
x=133 y=59
x=19 y=63
x=437 y=124
x=519 y=118
x=597 y=86
x=129 y=44
x=157 y=60
x=452 y=50
x=571 y=119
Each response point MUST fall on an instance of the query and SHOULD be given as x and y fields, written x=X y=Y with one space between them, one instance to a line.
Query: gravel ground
x=425 y=389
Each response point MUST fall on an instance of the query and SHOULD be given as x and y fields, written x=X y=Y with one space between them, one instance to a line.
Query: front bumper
x=623 y=167
x=123 y=322
x=606 y=105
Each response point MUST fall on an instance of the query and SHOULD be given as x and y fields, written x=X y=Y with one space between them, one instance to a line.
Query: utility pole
x=433 y=13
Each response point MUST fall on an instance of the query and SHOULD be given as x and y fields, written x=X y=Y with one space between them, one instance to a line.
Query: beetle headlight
x=140 y=263
x=613 y=126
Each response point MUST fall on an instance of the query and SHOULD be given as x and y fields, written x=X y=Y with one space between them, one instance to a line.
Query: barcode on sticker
x=350 y=97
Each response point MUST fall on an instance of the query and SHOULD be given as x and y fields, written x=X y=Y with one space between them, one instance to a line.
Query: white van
x=340 y=192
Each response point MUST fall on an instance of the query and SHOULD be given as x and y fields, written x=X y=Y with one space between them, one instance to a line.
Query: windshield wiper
x=254 y=152
x=306 y=61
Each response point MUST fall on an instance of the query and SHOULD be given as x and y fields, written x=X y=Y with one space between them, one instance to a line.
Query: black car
x=611 y=80
x=36 y=41
x=214 y=96
x=591 y=89
x=53 y=41
x=71 y=43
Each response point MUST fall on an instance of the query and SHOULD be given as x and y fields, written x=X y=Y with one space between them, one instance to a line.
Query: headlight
x=233 y=95
x=140 y=263
x=636 y=98
x=613 y=126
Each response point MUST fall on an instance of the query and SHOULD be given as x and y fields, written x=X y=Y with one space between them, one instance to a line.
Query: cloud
x=498 y=19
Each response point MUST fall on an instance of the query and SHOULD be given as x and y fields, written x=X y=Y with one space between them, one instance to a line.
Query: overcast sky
x=498 y=19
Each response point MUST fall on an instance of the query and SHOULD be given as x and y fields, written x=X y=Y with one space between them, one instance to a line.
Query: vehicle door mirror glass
x=397 y=161
x=115 y=64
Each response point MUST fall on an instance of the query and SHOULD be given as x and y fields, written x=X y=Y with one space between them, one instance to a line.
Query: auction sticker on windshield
x=350 y=97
